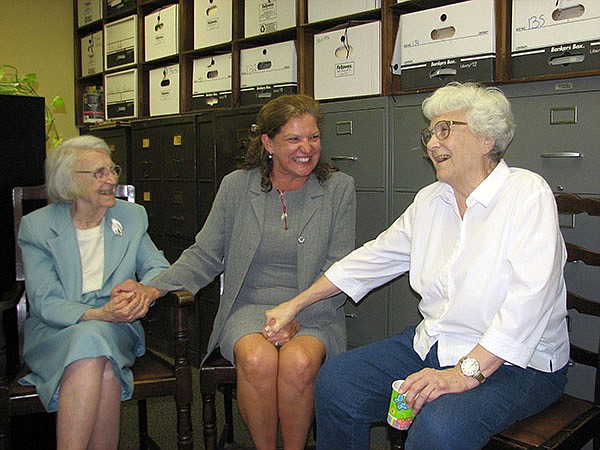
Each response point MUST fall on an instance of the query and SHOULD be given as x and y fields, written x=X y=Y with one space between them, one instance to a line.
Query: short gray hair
x=488 y=111
x=61 y=163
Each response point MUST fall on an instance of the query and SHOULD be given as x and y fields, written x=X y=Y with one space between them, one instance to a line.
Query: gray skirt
x=249 y=318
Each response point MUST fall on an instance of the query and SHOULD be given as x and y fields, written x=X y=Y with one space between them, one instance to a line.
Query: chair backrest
x=574 y=205
x=26 y=199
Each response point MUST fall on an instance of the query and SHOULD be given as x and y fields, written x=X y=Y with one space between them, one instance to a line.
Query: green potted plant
x=13 y=83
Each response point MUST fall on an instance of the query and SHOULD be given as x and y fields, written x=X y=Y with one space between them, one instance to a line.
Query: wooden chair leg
x=209 y=417
x=143 y=423
x=397 y=438
x=228 y=401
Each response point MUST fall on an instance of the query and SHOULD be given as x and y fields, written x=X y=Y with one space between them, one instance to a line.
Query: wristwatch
x=470 y=368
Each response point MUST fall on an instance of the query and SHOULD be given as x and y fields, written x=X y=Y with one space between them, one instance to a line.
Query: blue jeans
x=353 y=391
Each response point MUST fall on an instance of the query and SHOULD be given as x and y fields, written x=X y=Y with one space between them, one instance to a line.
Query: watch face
x=469 y=367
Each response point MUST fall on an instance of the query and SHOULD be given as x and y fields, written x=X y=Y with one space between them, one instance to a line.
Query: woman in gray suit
x=275 y=226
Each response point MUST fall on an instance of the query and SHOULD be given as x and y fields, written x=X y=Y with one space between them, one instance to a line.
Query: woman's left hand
x=278 y=318
x=284 y=335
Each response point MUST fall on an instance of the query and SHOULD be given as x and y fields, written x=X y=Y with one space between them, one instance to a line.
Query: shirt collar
x=485 y=192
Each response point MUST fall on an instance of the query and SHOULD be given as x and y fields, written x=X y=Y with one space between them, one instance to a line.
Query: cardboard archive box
x=118 y=6
x=268 y=16
x=88 y=11
x=267 y=72
x=211 y=82
x=322 y=10
x=212 y=22
x=456 y=42
x=164 y=90
x=554 y=37
x=348 y=61
x=120 y=89
x=92 y=57
x=161 y=33
x=120 y=43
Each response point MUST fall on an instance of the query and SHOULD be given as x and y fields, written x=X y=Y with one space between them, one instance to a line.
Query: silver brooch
x=117 y=227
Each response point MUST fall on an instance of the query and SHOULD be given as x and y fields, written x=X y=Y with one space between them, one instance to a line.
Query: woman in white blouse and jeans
x=485 y=253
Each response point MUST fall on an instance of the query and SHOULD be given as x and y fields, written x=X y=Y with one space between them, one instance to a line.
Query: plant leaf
x=58 y=102
x=29 y=78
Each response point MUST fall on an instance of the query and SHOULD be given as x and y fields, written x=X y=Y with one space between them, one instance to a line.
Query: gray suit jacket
x=231 y=235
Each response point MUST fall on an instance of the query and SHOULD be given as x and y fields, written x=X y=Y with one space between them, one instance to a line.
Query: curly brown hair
x=271 y=117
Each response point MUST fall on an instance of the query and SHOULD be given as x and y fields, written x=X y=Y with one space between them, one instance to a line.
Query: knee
x=435 y=432
x=108 y=375
x=297 y=367
x=256 y=365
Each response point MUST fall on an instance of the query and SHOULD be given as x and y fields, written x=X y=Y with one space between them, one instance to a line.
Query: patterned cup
x=399 y=415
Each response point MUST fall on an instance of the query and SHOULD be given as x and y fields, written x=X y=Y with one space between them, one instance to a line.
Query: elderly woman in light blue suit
x=275 y=226
x=80 y=343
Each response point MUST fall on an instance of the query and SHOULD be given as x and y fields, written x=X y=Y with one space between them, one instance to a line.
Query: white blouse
x=494 y=277
x=91 y=251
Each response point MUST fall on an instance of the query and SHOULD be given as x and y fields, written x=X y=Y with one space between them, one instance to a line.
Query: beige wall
x=37 y=36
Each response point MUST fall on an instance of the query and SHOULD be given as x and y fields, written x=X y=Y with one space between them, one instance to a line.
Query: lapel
x=309 y=253
x=65 y=249
x=115 y=246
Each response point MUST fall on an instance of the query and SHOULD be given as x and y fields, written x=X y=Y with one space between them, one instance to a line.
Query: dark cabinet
x=22 y=156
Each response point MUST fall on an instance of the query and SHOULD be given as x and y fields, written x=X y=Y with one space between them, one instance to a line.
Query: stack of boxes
x=433 y=46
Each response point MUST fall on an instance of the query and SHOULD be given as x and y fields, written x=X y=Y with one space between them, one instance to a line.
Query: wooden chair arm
x=10 y=299
x=178 y=299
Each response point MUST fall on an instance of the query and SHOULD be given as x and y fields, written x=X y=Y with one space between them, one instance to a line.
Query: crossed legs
x=89 y=405
x=277 y=386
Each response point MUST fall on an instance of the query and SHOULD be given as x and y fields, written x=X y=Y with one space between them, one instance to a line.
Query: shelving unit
x=303 y=33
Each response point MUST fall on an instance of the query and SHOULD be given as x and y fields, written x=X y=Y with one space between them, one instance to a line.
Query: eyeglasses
x=103 y=173
x=440 y=129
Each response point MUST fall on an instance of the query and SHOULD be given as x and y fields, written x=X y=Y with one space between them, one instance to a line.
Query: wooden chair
x=153 y=375
x=217 y=372
x=571 y=422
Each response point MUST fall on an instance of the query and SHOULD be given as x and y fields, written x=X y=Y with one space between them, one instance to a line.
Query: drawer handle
x=568 y=155
x=344 y=158
x=351 y=316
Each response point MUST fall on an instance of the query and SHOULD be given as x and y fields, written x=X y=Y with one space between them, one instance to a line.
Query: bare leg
x=81 y=392
x=299 y=363
x=256 y=362
x=105 y=435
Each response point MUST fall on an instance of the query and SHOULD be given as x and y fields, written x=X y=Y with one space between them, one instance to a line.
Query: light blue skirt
x=55 y=349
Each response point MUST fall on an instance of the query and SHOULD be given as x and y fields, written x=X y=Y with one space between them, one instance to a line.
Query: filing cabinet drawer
x=146 y=151
x=179 y=151
x=232 y=137
x=205 y=142
x=404 y=309
x=557 y=133
x=180 y=208
x=149 y=193
x=412 y=167
x=118 y=140
x=366 y=321
x=355 y=141
x=174 y=246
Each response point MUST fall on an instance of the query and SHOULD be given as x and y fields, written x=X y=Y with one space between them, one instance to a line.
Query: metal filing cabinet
x=412 y=170
x=354 y=136
x=557 y=136
x=164 y=156
x=118 y=139
x=232 y=134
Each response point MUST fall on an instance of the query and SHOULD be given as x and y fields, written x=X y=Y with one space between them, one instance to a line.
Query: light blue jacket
x=53 y=274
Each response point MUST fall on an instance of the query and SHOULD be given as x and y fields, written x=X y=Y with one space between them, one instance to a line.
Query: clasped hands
x=129 y=301
x=280 y=324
